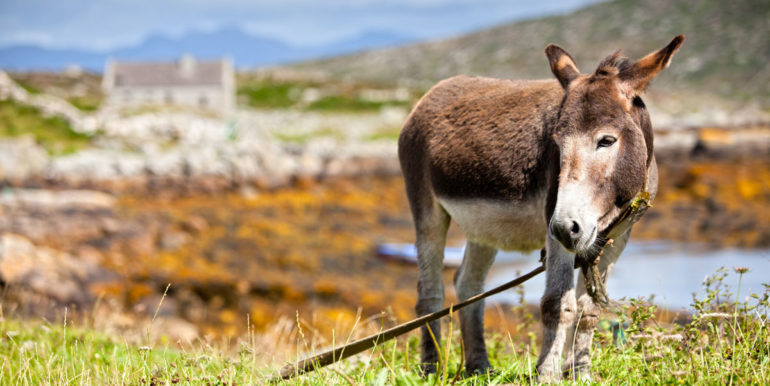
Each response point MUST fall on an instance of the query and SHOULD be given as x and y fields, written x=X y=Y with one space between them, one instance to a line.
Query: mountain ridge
x=245 y=49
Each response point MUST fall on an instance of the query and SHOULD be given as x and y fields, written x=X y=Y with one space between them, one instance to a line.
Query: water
x=669 y=271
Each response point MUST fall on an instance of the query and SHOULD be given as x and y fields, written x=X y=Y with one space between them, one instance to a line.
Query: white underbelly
x=510 y=226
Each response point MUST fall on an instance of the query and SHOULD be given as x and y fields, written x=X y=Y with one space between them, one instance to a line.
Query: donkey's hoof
x=579 y=372
x=583 y=376
x=481 y=367
x=548 y=375
x=427 y=369
x=548 y=378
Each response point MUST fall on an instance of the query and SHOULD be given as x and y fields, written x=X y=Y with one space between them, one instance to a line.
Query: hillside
x=724 y=57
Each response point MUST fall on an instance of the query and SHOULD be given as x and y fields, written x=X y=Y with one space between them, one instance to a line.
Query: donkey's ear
x=562 y=64
x=639 y=74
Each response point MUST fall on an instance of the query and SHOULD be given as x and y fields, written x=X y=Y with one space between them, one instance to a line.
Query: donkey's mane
x=613 y=65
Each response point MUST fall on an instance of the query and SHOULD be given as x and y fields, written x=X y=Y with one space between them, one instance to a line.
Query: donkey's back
x=476 y=149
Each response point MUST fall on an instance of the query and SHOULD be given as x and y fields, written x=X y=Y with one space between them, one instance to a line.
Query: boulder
x=21 y=158
x=44 y=271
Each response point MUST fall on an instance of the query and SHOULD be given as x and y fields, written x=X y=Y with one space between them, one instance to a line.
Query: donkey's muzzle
x=567 y=231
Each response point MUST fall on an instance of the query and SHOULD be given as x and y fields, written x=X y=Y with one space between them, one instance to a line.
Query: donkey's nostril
x=575 y=227
x=567 y=232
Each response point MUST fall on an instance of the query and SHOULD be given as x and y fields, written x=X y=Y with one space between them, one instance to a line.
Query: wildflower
x=741 y=270
x=716 y=315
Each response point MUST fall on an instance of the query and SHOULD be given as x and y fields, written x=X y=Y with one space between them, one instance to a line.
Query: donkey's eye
x=607 y=141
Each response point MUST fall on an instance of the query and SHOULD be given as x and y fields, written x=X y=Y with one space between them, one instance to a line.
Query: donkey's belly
x=510 y=226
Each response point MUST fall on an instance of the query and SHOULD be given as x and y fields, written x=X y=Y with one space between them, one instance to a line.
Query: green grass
x=725 y=342
x=384 y=135
x=346 y=103
x=53 y=133
x=86 y=103
x=303 y=138
x=43 y=353
x=25 y=85
x=269 y=94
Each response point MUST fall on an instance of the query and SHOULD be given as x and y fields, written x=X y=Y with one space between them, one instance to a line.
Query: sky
x=101 y=25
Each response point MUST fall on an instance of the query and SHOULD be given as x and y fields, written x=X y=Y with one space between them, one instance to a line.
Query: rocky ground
x=308 y=247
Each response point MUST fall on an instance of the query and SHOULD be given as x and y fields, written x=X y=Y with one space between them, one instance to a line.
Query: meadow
x=723 y=339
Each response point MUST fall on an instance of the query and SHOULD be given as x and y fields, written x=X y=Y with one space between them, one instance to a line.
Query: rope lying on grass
x=360 y=345
x=588 y=265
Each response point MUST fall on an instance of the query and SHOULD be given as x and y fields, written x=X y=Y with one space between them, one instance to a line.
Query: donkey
x=522 y=165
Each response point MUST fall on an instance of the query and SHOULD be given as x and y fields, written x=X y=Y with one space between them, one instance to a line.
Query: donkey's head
x=604 y=137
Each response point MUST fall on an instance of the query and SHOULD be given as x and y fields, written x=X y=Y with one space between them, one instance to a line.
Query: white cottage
x=208 y=85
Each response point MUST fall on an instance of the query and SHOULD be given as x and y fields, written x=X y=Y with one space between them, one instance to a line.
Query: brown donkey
x=520 y=165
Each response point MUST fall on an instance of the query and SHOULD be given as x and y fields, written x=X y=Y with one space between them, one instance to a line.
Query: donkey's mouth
x=587 y=243
x=591 y=251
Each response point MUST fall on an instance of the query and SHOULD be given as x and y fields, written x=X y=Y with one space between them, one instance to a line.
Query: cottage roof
x=185 y=72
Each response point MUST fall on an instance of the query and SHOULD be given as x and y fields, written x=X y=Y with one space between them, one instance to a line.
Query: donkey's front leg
x=579 y=351
x=557 y=308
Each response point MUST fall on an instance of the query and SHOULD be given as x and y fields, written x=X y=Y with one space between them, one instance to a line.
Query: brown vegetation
x=311 y=247
x=724 y=204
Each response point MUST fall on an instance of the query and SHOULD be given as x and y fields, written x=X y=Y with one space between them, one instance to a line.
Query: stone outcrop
x=45 y=272
x=266 y=148
x=45 y=236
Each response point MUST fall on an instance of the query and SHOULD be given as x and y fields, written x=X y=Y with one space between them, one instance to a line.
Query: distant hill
x=726 y=53
x=245 y=49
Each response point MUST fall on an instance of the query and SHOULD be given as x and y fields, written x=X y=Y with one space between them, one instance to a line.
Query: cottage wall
x=203 y=97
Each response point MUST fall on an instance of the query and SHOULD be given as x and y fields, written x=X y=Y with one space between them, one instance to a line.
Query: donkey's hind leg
x=431 y=225
x=469 y=281
x=579 y=345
